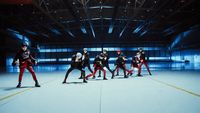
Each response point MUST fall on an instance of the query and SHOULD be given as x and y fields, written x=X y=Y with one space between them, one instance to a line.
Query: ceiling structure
x=156 y=21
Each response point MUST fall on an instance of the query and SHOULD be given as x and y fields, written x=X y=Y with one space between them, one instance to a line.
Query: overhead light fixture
x=143 y=33
x=110 y=30
x=83 y=29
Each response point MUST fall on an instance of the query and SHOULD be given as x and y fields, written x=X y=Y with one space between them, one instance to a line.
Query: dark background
x=168 y=30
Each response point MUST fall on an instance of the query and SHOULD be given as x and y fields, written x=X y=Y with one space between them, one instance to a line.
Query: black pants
x=88 y=66
x=71 y=69
x=107 y=66
x=121 y=67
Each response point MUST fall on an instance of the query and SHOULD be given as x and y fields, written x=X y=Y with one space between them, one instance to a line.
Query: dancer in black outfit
x=76 y=63
x=86 y=61
x=120 y=63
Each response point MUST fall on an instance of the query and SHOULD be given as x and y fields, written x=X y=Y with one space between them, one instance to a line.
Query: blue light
x=11 y=30
x=45 y=35
x=143 y=33
x=138 y=29
x=47 y=60
x=122 y=32
x=56 y=50
x=159 y=58
x=83 y=29
x=70 y=33
x=186 y=33
x=92 y=29
x=146 y=48
x=94 y=49
x=56 y=31
x=64 y=59
x=110 y=30
x=30 y=32
x=18 y=36
x=98 y=7
x=179 y=37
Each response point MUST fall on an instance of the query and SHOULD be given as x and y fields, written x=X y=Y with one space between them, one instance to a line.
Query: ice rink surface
x=166 y=91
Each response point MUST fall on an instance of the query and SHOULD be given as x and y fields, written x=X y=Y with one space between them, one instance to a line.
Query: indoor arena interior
x=99 y=56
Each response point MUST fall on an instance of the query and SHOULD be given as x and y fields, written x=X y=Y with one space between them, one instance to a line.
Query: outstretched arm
x=15 y=59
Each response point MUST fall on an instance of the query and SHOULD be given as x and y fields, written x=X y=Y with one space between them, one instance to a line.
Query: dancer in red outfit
x=98 y=65
x=135 y=63
x=25 y=62
x=143 y=61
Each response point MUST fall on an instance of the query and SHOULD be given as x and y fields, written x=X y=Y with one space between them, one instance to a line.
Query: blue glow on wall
x=64 y=59
x=159 y=58
x=186 y=55
x=56 y=50
x=146 y=48
x=94 y=49
x=47 y=60
x=98 y=49
x=179 y=37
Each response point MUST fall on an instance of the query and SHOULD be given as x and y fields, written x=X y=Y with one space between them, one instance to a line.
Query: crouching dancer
x=98 y=66
x=76 y=63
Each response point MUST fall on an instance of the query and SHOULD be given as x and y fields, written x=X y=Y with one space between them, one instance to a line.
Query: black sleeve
x=107 y=57
x=94 y=62
x=73 y=58
x=31 y=57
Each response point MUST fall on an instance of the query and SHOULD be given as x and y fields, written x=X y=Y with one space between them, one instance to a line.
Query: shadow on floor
x=14 y=88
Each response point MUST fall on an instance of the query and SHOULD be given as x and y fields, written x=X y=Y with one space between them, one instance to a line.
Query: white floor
x=164 y=92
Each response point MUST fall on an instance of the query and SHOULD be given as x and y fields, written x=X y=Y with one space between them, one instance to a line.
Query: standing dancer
x=143 y=61
x=120 y=63
x=25 y=62
x=105 y=61
x=86 y=61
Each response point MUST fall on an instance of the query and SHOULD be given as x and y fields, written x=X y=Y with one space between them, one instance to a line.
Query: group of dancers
x=82 y=60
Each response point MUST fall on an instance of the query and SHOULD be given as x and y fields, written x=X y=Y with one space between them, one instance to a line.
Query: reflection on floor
x=152 y=65
x=166 y=91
